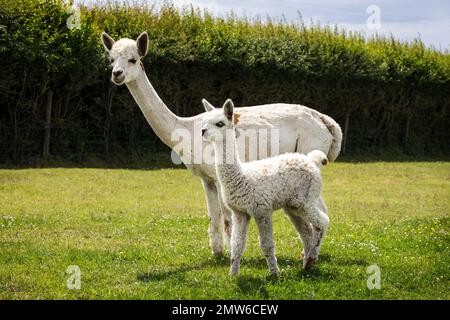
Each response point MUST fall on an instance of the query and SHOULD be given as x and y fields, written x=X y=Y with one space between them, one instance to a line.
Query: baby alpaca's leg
x=264 y=221
x=319 y=221
x=238 y=240
x=303 y=228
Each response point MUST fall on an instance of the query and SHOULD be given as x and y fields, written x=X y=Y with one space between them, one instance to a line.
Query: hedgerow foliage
x=387 y=94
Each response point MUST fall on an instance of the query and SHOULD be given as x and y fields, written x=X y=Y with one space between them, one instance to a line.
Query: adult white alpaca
x=300 y=128
x=291 y=181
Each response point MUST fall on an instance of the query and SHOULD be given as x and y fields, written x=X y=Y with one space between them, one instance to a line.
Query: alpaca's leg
x=303 y=228
x=319 y=221
x=263 y=219
x=216 y=221
x=238 y=240
x=226 y=214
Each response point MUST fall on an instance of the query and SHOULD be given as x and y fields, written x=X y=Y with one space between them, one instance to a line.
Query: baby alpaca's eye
x=132 y=61
x=220 y=124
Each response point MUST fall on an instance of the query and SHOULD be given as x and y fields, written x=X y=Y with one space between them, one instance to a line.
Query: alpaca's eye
x=133 y=61
x=220 y=124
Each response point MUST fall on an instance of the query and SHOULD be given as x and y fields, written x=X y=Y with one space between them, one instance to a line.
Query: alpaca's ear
x=228 y=108
x=208 y=106
x=107 y=41
x=142 y=44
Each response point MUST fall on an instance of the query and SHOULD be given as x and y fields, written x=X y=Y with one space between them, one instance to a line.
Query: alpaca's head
x=216 y=122
x=125 y=55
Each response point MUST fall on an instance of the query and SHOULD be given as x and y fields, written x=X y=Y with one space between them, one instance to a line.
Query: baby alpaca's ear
x=228 y=108
x=208 y=106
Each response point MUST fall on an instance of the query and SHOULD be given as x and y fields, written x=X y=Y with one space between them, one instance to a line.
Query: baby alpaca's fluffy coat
x=255 y=189
x=290 y=180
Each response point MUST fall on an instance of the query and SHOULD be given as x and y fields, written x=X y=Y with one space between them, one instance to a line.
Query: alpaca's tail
x=318 y=157
x=335 y=131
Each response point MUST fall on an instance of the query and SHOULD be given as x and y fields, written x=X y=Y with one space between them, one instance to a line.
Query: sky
x=429 y=20
x=404 y=19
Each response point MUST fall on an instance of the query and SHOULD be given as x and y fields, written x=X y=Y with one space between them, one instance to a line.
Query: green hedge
x=388 y=94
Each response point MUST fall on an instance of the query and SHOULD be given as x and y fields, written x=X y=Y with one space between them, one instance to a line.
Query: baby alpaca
x=290 y=181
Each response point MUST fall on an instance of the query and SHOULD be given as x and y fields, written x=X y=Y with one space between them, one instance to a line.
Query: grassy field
x=143 y=234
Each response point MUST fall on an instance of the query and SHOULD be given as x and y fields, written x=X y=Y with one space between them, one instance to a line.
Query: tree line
x=56 y=98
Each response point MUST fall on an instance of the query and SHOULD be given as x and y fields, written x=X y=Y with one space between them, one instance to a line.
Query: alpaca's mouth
x=118 y=80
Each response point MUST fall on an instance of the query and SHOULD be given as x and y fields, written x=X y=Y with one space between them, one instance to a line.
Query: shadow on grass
x=260 y=263
x=256 y=284
x=342 y=261
x=179 y=272
x=252 y=285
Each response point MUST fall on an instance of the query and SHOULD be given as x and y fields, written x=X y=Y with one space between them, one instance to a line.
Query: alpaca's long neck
x=228 y=164
x=158 y=115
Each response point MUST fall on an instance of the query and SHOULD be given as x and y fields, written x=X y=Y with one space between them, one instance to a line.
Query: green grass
x=143 y=234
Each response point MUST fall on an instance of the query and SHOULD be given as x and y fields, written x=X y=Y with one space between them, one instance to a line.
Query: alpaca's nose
x=117 y=73
x=203 y=132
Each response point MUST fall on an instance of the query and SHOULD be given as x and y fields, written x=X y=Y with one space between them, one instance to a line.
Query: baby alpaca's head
x=217 y=121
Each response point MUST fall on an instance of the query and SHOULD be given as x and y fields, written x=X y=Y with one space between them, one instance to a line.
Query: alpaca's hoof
x=274 y=276
x=234 y=271
x=234 y=274
x=309 y=263
x=220 y=258
x=274 y=270
x=274 y=273
x=218 y=254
